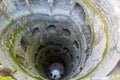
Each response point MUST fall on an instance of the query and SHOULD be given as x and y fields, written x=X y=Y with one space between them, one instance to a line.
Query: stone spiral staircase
x=60 y=39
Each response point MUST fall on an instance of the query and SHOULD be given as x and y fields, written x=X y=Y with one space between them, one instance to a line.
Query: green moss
x=76 y=74
x=11 y=52
x=11 y=41
x=0 y=1
x=89 y=22
x=107 y=36
x=118 y=78
x=14 y=67
x=93 y=35
x=6 y=78
x=116 y=73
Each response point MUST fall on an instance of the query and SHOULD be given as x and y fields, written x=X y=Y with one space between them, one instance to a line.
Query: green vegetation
x=0 y=1
x=107 y=36
x=6 y=78
x=11 y=51
x=12 y=40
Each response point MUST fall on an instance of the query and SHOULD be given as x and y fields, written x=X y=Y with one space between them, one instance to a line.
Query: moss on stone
x=6 y=78
x=0 y=1
x=88 y=3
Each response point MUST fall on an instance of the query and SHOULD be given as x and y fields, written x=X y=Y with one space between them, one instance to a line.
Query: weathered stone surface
x=88 y=31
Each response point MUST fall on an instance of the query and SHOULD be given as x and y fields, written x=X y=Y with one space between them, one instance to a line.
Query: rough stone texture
x=110 y=9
